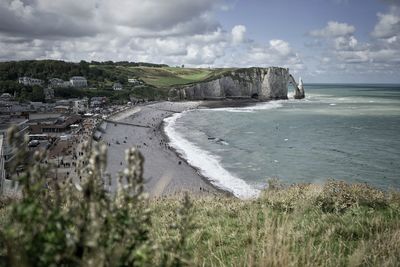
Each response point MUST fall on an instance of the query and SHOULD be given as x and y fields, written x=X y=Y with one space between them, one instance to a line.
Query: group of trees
x=100 y=75
x=129 y=64
x=32 y=93
x=46 y=69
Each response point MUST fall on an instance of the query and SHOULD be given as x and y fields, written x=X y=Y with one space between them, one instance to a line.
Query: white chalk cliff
x=261 y=83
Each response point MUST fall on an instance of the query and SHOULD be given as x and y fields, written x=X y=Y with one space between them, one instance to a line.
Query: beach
x=165 y=172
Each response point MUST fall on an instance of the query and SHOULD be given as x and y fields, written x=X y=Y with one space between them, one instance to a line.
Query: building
x=66 y=84
x=6 y=97
x=80 y=106
x=22 y=128
x=62 y=109
x=117 y=86
x=14 y=109
x=55 y=82
x=97 y=101
x=28 y=81
x=134 y=81
x=54 y=125
x=58 y=83
x=48 y=93
x=78 y=81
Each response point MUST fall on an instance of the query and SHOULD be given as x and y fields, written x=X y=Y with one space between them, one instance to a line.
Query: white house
x=56 y=82
x=117 y=86
x=134 y=81
x=6 y=97
x=29 y=81
x=78 y=81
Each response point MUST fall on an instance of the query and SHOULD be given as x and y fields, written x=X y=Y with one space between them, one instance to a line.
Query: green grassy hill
x=164 y=77
x=156 y=79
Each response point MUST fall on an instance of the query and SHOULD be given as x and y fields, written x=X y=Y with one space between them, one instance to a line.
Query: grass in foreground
x=335 y=224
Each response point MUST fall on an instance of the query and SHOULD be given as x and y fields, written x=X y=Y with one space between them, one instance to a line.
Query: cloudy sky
x=320 y=40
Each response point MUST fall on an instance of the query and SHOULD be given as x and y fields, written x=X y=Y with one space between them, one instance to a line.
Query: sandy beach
x=164 y=171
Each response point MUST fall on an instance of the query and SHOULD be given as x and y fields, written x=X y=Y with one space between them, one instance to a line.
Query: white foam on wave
x=208 y=164
x=259 y=106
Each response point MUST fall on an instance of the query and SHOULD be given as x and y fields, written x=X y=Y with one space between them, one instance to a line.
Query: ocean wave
x=259 y=106
x=209 y=165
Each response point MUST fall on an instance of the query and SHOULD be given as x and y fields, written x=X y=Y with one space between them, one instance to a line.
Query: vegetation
x=156 y=79
x=63 y=224
x=101 y=77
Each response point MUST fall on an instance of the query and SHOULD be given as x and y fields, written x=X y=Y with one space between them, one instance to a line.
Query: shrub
x=338 y=196
x=81 y=224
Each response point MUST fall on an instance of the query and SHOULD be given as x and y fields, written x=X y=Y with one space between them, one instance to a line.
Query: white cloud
x=388 y=25
x=345 y=42
x=238 y=34
x=174 y=32
x=276 y=53
x=281 y=47
x=342 y=53
x=334 y=29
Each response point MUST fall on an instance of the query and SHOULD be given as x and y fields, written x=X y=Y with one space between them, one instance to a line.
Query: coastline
x=166 y=171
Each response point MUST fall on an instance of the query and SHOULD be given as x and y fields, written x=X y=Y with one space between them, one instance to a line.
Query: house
x=6 y=97
x=28 y=81
x=134 y=81
x=39 y=106
x=22 y=128
x=48 y=93
x=80 y=106
x=97 y=101
x=78 y=81
x=58 y=83
x=55 y=82
x=117 y=86
x=54 y=125
x=62 y=109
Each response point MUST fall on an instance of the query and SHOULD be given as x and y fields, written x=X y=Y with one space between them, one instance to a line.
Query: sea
x=348 y=132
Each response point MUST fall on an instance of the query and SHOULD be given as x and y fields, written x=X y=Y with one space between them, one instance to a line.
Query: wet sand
x=164 y=171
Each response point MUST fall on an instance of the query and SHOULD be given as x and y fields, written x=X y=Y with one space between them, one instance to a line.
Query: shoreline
x=166 y=171
x=198 y=171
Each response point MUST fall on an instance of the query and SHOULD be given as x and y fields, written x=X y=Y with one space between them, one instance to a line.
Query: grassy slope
x=334 y=225
x=165 y=77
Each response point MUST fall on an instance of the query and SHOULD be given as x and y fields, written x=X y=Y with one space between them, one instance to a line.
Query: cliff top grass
x=59 y=223
x=166 y=77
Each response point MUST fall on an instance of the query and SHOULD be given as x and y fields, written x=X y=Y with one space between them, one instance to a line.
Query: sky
x=327 y=41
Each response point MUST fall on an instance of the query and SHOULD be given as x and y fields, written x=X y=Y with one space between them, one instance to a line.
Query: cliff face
x=261 y=83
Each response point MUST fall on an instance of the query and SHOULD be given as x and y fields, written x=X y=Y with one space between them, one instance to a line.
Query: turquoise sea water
x=345 y=132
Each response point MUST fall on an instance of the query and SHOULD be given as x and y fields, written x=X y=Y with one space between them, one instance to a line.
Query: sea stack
x=300 y=92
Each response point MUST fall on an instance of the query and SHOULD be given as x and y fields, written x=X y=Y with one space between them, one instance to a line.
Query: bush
x=70 y=224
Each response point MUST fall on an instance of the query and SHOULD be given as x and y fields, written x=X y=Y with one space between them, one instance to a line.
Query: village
x=59 y=126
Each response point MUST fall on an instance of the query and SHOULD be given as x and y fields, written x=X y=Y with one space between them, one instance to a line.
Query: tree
x=37 y=94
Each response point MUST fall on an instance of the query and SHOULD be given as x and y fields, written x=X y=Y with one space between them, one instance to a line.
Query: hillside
x=304 y=225
x=66 y=224
x=156 y=78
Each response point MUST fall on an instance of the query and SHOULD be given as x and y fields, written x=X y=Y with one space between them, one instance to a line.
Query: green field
x=164 y=77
